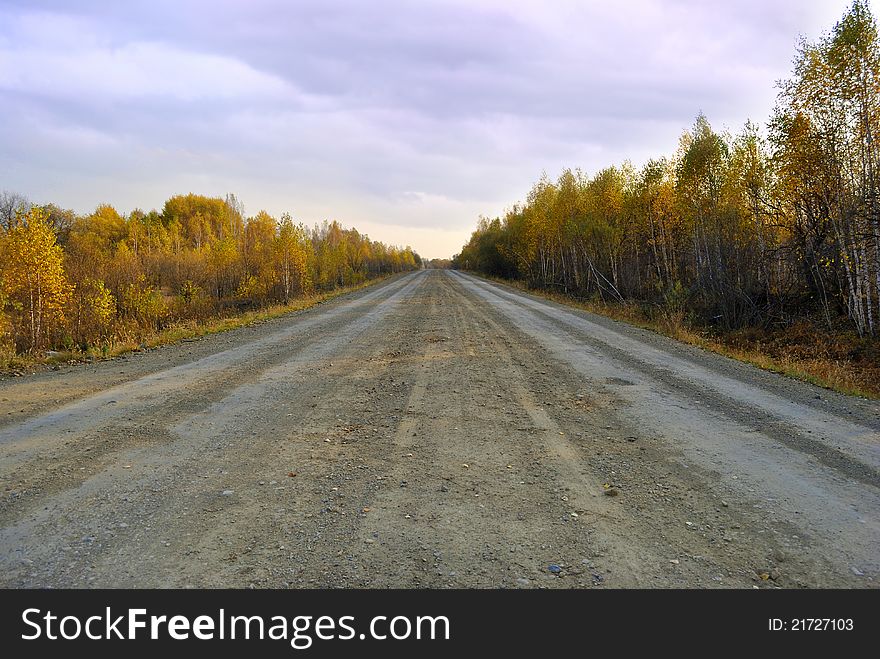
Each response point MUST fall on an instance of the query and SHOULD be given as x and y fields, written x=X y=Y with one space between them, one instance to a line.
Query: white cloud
x=135 y=71
x=405 y=119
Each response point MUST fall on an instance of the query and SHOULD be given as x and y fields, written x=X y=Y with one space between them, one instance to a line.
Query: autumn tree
x=291 y=258
x=12 y=207
x=747 y=230
x=35 y=287
x=131 y=276
x=824 y=136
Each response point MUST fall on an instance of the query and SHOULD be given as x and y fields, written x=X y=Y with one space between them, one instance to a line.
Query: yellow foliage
x=121 y=279
x=33 y=281
x=92 y=311
x=144 y=304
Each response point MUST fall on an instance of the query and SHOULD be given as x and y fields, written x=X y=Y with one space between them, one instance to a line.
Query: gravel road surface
x=435 y=430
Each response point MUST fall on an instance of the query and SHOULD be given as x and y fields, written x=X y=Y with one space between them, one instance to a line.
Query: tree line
x=78 y=282
x=756 y=228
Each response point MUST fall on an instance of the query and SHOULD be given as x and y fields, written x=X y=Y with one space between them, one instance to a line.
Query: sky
x=406 y=120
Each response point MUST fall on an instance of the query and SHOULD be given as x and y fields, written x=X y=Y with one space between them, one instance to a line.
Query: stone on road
x=435 y=430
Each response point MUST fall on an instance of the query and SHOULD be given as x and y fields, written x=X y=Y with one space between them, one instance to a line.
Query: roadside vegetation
x=763 y=245
x=78 y=287
x=840 y=361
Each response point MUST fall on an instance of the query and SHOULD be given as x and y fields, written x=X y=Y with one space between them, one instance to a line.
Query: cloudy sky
x=404 y=119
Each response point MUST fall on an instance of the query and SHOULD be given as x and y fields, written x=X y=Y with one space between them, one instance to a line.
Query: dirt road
x=435 y=430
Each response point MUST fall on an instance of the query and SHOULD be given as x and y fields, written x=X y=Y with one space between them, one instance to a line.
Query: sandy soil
x=435 y=430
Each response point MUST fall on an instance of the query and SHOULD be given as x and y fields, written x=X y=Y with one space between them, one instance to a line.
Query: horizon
x=405 y=123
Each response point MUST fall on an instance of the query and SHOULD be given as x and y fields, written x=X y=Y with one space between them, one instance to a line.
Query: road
x=435 y=430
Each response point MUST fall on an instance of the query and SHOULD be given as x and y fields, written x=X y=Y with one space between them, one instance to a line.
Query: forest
x=756 y=232
x=82 y=284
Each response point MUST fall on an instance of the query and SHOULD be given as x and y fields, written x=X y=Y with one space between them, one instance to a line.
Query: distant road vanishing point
x=435 y=430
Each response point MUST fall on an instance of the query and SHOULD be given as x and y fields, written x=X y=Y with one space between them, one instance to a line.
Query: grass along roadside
x=838 y=361
x=189 y=329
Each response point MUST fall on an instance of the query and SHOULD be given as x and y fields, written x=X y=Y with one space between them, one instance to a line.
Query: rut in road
x=434 y=431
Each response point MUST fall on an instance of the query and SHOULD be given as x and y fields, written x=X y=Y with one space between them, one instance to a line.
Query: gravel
x=464 y=420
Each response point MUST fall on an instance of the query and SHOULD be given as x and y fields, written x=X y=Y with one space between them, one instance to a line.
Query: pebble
x=555 y=569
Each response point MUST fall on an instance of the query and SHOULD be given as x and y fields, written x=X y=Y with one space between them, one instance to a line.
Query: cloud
x=60 y=57
x=410 y=118
x=134 y=71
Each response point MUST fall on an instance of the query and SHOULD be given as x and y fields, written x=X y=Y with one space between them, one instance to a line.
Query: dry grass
x=9 y=361
x=840 y=361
